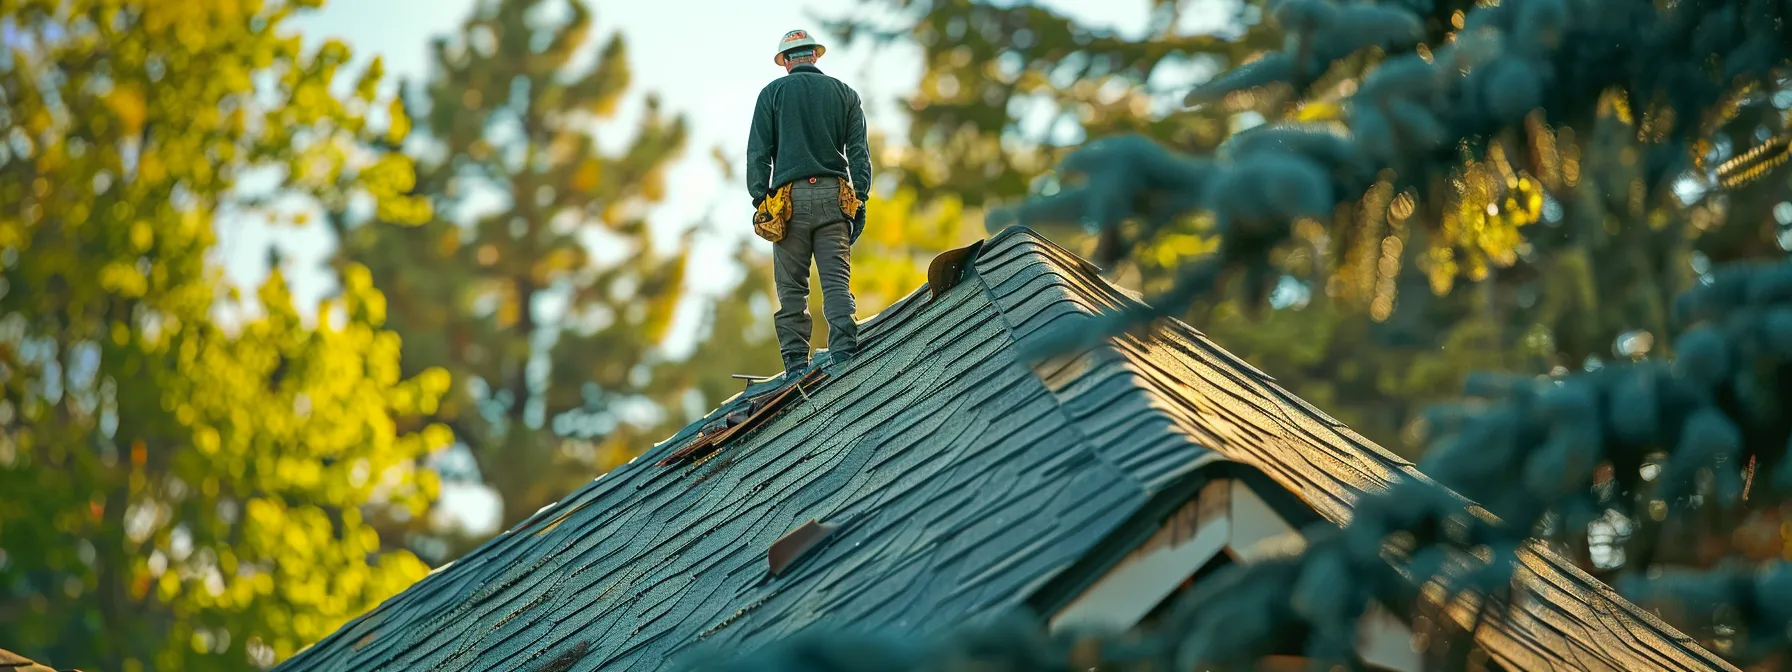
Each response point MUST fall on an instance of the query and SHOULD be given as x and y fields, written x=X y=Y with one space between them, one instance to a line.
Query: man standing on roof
x=808 y=170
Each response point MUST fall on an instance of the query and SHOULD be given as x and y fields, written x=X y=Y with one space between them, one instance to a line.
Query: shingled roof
x=947 y=481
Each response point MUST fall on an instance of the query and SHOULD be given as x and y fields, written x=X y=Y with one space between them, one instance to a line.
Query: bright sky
x=706 y=59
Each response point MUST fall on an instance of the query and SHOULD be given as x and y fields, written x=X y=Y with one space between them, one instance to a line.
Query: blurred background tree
x=188 y=475
x=536 y=283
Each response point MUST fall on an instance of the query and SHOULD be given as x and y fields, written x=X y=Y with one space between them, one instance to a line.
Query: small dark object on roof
x=787 y=549
x=565 y=661
x=949 y=268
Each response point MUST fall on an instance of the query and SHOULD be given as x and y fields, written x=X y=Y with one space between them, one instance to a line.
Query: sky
x=706 y=59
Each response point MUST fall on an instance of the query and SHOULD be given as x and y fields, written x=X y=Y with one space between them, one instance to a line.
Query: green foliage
x=535 y=283
x=189 y=477
x=1433 y=126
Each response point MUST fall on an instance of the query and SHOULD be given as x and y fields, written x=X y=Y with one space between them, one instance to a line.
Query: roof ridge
x=1059 y=285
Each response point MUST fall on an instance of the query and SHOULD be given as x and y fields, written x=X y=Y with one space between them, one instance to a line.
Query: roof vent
x=787 y=549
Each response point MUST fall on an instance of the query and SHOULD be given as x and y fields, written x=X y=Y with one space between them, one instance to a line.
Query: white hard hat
x=797 y=39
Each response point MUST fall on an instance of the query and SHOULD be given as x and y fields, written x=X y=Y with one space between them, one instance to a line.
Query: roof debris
x=758 y=409
x=787 y=549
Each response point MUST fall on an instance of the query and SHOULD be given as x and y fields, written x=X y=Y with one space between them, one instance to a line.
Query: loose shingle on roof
x=959 y=483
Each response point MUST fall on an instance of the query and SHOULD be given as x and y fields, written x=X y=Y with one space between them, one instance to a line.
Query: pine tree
x=536 y=285
x=189 y=476
x=1495 y=144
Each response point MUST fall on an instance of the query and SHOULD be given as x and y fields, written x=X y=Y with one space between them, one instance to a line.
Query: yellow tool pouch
x=849 y=201
x=772 y=215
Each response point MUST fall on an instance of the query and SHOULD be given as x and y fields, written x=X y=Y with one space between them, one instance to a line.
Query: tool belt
x=773 y=213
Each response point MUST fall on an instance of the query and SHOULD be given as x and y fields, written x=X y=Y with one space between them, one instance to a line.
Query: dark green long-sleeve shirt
x=807 y=124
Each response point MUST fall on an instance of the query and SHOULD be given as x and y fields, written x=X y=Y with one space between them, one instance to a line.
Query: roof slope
x=1569 y=620
x=961 y=483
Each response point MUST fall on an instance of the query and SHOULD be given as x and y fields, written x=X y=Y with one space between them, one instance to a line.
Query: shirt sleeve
x=858 y=154
x=762 y=145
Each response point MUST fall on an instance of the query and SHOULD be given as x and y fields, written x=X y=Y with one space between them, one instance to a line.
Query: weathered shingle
x=960 y=481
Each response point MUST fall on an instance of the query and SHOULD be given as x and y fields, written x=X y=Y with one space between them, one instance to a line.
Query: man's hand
x=858 y=224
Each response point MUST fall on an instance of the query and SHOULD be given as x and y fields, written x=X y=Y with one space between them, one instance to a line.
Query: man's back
x=807 y=124
x=807 y=145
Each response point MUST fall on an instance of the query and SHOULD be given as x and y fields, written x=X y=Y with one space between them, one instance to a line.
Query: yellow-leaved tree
x=188 y=479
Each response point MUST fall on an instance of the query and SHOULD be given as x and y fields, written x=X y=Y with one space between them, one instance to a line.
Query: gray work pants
x=817 y=229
